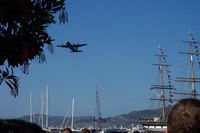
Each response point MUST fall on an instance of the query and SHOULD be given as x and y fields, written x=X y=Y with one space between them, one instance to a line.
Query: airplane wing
x=80 y=45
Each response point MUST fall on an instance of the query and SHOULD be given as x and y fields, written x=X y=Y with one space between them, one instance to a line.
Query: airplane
x=72 y=47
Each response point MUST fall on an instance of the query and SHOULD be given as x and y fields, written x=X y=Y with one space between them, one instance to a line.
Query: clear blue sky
x=122 y=37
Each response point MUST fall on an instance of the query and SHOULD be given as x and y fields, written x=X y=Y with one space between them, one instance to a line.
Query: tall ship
x=163 y=91
x=159 y=124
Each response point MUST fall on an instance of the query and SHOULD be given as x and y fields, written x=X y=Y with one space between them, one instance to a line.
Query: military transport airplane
x=72 y=47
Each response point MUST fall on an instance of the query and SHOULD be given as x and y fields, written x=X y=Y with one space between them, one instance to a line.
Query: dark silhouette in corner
x=19 y=126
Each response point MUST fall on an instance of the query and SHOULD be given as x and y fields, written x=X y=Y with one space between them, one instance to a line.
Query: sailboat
x=164 y=87
x=45 y=115
x=71 y=106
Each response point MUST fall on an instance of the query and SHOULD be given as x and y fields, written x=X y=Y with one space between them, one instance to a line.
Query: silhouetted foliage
x=11 y=80
x=23 y=33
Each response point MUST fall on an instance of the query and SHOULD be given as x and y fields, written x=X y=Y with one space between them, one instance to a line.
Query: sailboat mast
x=47 y=106
x=72 y=122
x=42 y=110
x=31 y=117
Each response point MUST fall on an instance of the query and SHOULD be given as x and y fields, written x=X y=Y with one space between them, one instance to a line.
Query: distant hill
x=125 y=120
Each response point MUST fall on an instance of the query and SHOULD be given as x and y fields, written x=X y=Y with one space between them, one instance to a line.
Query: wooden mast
x=191 y=79
x=162 y=87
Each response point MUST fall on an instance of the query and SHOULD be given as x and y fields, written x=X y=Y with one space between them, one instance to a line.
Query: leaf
x=9 y=85
x=9 y=77
x=7 y=70
x=14 y=88
x=5 y=74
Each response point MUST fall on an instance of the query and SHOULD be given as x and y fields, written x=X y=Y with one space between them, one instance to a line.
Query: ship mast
x=191 y=79
x=163 y=65
x=97 y=115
